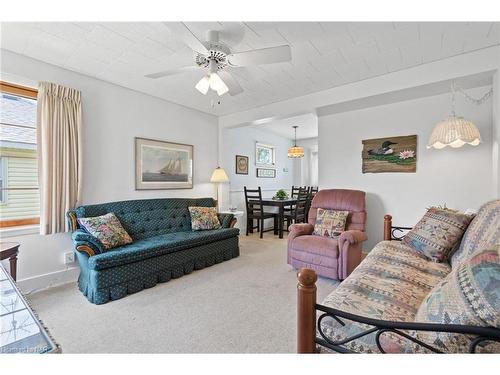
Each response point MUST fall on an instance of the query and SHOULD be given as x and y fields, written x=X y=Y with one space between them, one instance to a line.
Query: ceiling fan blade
x=170 y=72
x=261 y=56
x=231 y=83
x=180 y=30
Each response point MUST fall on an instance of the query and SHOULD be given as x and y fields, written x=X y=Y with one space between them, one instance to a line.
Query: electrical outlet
x=69 y=257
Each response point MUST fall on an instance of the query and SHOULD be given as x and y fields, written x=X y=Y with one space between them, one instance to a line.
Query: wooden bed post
x=387 y=227
x=306 y=311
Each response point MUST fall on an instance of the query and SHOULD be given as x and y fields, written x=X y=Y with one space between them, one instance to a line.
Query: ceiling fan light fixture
x=203 y=85
x=222 y=91
x=217 y=84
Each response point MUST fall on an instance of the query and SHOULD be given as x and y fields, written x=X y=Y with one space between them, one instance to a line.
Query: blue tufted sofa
x=164 y=246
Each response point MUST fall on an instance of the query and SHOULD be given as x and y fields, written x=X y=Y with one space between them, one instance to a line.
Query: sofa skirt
x=114 y=283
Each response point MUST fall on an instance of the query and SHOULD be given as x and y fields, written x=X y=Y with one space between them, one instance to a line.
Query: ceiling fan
x=217 y=57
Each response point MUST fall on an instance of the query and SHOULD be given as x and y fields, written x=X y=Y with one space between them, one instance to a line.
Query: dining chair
x=299 y=210
x=295 y=191
x=255 y=211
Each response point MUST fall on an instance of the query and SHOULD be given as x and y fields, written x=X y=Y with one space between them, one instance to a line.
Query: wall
x=241 y=141
x=304 y=173
x=460 y=178
x=112 y=117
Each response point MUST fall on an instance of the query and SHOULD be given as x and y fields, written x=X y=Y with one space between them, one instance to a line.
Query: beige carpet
x=245 y=305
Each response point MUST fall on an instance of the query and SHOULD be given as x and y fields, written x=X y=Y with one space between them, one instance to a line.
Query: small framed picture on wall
x=241 y=164
x=266 y=173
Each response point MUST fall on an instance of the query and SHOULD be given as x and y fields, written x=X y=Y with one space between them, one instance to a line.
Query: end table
x=9 y=250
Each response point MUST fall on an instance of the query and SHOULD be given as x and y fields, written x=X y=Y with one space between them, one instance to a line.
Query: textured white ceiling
x=324 y=54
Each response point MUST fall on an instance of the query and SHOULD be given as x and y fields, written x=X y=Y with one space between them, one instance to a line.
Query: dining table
x=281 y=204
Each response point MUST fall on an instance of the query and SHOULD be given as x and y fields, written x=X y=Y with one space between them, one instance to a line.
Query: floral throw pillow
x=437 y=233
x=330 y=223
x=107 y=228
x=204 y=218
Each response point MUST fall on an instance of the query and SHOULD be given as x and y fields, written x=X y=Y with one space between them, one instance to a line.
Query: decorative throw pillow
x=330 y=223
x=469 y=295
x=204 y=218
x=107 y=228
x=437 y=233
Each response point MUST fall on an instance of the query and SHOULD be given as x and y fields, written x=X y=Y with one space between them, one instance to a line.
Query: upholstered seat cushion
x=156 y=246
x=316 y=245
x=390 y=284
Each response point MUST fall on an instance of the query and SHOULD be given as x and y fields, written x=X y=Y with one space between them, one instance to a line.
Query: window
x=265 y=155
x=19 y=197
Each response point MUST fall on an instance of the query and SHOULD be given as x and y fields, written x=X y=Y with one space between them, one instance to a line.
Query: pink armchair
x=334 y=258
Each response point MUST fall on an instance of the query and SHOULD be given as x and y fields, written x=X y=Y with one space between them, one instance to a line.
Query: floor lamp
x=219 y=176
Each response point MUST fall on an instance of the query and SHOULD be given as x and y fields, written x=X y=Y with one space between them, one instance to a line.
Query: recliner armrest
x=352 y=237
x=296 y=230
x=349 y=251
x=86 y=243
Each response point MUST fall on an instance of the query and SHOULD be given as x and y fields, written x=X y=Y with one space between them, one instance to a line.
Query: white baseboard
x=48 y=280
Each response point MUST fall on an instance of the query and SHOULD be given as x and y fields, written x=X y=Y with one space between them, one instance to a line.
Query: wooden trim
x=11 y=88
x=19 y=222
x=387 y=227
x=27 y=92
x=306 y=311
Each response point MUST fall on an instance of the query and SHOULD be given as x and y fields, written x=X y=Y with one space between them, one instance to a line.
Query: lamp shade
x=219 y=175
x=454 y=132
x=296 y=152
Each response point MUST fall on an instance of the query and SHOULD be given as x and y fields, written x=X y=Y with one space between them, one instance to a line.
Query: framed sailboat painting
x=163 y=165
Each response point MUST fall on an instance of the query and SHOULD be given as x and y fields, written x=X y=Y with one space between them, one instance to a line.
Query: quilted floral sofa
x=163 y=247
x=399 y=301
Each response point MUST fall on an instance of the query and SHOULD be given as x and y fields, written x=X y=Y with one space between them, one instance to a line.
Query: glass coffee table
x=20 y=329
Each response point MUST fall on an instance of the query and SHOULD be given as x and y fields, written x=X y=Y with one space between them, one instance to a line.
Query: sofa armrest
x=296 y=230
x=86 y=243
x=72 y=220
x=226 y=220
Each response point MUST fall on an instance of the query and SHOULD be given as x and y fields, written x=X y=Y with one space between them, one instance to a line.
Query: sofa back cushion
x=144 y=218
x=483 y=232
x=437 y=233
x=341 y=200
x=469 y=295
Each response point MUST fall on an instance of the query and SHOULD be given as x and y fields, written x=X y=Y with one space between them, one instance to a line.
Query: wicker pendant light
x=456 y=131
x=296 y=151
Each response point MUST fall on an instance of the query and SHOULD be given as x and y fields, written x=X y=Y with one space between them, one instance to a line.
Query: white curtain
x=59 y=124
